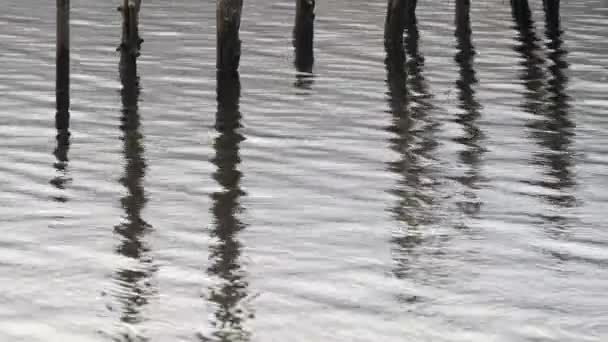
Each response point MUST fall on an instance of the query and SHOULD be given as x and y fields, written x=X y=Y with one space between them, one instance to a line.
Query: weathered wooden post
x=395 y=24
x=552 y=19
x=521 y=12
x=62 y=80
x=130 y=26
x=463 y=21
x=303 y=35
x=228 y=16
x=401 y=13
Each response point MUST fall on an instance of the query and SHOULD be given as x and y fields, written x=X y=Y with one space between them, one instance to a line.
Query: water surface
x=454 y=190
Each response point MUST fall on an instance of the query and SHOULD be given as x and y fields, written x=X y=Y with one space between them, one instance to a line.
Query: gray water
x=459 y=197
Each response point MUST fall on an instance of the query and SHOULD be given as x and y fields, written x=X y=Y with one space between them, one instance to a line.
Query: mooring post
x=462 y=17
x=303 y=35
x=62 y=80
x=401 y=13
x=552 y=15
x=130 y=26
x=228 y=17
x=521 y=12
x=410 y=11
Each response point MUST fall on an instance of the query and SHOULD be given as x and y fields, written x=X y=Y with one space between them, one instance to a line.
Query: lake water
x=461 y=196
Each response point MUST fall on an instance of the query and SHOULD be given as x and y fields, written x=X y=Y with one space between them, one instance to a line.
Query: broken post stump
x=303 y=35
x=62 y=80
x=131 y=41
x=228 y=16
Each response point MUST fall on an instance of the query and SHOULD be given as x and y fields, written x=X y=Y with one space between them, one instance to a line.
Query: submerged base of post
x=228 y=41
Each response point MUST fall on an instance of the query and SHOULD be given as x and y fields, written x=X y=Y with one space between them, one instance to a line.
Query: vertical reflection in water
x=228 y=295
x=62 y=148
x=134 y=281
x=555 y=131
x=62 y=100
x=304 y=82
x=471 y=156
x=414 y=142
x=528 y=48
x=546 y=99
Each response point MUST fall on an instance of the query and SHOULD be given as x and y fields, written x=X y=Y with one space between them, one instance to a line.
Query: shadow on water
x=547 y=101
x=413 y=140
x=135 y=280
x=470 y=110
x=228 y=296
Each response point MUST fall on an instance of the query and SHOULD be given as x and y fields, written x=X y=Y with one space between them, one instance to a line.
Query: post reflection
x=469 y=107
x=555 y=130
x=228 y=294
x=547 y=100
x=134 y=280
x=62 y=147
x=304 y=82
x=62 y=102
x=413 y=140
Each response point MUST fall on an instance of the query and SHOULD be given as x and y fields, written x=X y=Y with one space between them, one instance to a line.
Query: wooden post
x=521 y=12
x=395 y=23
x=410 y=11
x=552 y=19
x=303 y=35
x=228 y=16
x=62 y=80
x=130 y=26
x=463 y=21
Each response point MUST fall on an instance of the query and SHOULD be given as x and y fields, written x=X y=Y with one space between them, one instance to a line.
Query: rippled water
x=454 y=193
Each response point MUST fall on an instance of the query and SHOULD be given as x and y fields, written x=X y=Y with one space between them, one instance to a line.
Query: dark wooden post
x=463 y=21
x=228 y=17
x=400 y=13
x=395 y=24
x=303 y=35
x=552 y=15
x=62 y=80
x=130 y=26
x=521 y=12
x=410 y=11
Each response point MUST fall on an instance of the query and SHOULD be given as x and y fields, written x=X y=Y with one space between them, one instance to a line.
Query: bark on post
x=303 y=35
x=130 y=26
x=62 y=80
x=228 y=16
